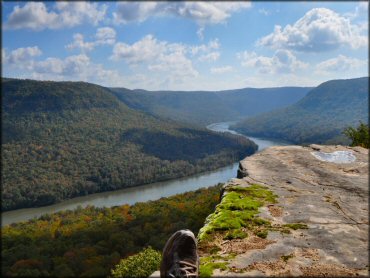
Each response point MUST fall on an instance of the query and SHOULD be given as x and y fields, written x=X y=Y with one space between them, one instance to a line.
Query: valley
x=92 y=171
x=124 y=122
x=68 y=139
x=141 y=193
x=206 y=107
x=63 y=140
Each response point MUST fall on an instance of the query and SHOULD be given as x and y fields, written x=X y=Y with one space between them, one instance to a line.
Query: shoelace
x=184 y=270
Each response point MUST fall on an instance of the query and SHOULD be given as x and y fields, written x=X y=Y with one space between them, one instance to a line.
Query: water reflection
x=262 y=143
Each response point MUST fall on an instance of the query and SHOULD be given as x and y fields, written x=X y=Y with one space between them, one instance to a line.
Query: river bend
x=142 y=193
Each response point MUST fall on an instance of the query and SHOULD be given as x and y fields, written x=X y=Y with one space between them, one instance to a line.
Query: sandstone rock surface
x=332 y=199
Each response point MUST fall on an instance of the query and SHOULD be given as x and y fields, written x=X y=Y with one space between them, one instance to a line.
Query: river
x=142 y=193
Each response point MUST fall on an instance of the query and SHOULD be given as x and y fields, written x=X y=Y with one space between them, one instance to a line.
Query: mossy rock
x=262 y=233
x=235 y=234
x=238 y=209
x=206 y=269
x=296 y=226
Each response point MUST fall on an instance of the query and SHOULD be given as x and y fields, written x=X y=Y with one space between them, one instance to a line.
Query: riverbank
x=128 y=196
x=141 y=193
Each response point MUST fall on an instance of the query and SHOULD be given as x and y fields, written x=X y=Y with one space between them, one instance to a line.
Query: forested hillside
x=320 y=117
x=66 y=139
x=89 y=242
x=203 y=108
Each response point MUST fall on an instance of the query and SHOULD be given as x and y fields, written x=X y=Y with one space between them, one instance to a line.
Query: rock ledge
x=330 y=199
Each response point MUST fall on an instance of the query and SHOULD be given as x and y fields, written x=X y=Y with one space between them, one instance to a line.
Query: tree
x=142 y=264
x=359 y=136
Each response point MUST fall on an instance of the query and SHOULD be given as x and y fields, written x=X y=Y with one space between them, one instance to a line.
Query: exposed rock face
x=330 y=198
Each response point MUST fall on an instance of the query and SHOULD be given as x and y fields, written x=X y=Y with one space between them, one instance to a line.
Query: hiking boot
x=180 y=257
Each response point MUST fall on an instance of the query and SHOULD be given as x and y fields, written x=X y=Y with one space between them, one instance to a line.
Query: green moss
x=216 y=258
x=206 y=269
x=235 y=234
x=237 y=201
x=262 y=233
x=209 y=259
x=238 y=208
x=256 y=191
x=210 y=263
x=259 y=221
x=224 y=220
x=296 y=226
x=229 y=256
x=285 y=258
x=214 y=249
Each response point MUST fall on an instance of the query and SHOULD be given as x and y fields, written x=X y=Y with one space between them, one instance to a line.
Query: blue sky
x=186 y=45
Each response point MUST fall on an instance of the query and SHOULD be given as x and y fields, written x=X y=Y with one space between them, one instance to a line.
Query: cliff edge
x=292 y=210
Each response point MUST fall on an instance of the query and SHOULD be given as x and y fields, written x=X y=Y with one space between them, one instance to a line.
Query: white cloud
x=78 y=42
x=32 y=15
x=149 y=48
x=35 y=15
x=282 y=62
x=210 y=57
x=201 y=12
x=361 y=10
x=75 y=67
x=221 y=70
x=145 y=50
x=363 y=7
x=50 y=65
x=70 y=66
x=340 y=64
x=21 y=56
x=104 y=35
x=176 y=64
x=320 y=29
x=168 y=63
x=164 y=64
x=204 y=48
x=136 y=11
x=75 y=12
x=208 y=12
x=200 y=33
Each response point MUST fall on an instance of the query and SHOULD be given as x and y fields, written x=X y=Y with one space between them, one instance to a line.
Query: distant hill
x=203 y=108
x=66 y=139
x=319 y=117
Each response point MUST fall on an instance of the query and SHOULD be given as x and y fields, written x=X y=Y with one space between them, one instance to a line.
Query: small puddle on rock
x=335 y=157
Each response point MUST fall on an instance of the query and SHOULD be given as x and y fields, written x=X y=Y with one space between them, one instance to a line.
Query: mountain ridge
x=63 y=140
x=206 y=107
x=319 y=117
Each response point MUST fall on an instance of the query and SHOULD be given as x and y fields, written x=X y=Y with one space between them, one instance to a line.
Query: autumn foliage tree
x=91 y=241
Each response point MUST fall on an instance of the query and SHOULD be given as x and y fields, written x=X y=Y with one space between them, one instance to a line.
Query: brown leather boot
x=180 y=257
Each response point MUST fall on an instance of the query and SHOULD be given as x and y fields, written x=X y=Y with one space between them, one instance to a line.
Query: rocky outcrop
x=316 y=226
